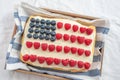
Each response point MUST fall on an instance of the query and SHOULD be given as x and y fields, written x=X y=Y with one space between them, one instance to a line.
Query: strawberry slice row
x=29 y=44
x=79 y=51
x=58 y=48
x=75 y=28
x=37 y=45
x=56 y=61
x=74 y=38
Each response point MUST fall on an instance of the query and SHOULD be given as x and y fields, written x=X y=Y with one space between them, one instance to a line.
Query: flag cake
x=56 y=43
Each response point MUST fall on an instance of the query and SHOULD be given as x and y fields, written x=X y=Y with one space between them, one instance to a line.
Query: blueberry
x=36 y=31
x=42 y=31
x=47 y=27
x=53 y=38
x=48 y=22
x=53 y=22
x=29 y=35
x=53 y=28
x=53 y=33
x=32 y=20
x=37 y=20
x=35 y=36
x=42 y=26
x=37 y=25
x=31 y=25
x=47 y=32
x=42 y=21
x=47 y=37
x=41 y=36
x=30 y=30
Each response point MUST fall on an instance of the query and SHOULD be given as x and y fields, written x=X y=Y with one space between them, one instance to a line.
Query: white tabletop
x=100 y=8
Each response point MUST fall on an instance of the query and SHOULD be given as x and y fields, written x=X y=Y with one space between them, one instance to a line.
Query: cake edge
x=56 y=68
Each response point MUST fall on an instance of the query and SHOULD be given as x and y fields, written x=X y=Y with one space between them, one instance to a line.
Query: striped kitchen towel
x=21 y=14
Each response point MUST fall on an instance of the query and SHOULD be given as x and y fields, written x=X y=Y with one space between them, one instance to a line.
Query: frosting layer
x=72 y=44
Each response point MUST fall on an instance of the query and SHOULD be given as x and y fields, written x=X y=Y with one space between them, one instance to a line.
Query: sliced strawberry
x=72 y=63
x=29 y=44
x=67 y=26
x=80 y=39
x=36 y=45
x=65 y=62
x=26 y=57
x=82 y=29
x=44 y=46
x=58 y=48
x=88 y=42
x=87 y=65
x=33 y=58
x=49 y=60
x=59 y=25
x=73 y=38
x=58 y=36
x=51 y=47
x=80 y=51
x=66 y=49
x=41 y=59
x=57 y=61
x=73 y=50
x=89 y=31
x=87 y=53
x=80 y=64
x=66 y=37
x=75 y=28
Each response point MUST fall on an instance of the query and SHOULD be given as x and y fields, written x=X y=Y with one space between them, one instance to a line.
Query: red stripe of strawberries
x=66 y=49
x=27 y=57
x=44 y=46
x=67 y=26
x=88 y=31
x=73 y=38
x=56 y=61
x=29 y=44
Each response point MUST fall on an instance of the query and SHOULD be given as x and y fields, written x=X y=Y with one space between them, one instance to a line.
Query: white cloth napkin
x=21 y=14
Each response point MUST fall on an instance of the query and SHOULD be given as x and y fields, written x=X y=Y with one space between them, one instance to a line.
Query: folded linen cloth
x=21 y=14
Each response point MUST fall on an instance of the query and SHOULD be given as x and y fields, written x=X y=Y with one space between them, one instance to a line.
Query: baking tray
x=67 y=14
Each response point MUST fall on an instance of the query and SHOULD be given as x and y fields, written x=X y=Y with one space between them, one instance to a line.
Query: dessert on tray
x=59 y=44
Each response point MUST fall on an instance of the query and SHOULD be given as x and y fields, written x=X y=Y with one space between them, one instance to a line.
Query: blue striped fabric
x=15 y=45
x=12 y=60
x=16 y=16
x=103 y=30
x=7 y=55
x=91 y=73
x=99 y=44
x=97 y=58
x=12 y=40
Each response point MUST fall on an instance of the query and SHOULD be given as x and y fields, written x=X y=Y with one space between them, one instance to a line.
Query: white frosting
x=55 y=54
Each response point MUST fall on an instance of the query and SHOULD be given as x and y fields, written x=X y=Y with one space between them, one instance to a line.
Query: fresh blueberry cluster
x=42 y=29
